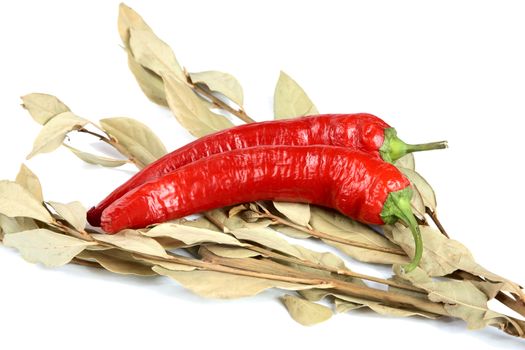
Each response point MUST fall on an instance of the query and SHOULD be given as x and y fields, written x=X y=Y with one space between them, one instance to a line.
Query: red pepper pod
x=360 y=131
x=364 y=188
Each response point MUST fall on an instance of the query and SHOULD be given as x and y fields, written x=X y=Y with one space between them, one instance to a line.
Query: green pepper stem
x=426 y=146
x=394 y=148
x=397 y=207
x=418 y=242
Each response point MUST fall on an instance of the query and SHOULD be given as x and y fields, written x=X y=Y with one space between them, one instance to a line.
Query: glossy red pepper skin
x=360 y=131
x=350 y=181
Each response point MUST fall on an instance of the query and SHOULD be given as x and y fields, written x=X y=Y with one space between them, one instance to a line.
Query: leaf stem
x=344 y=272
x=114 y=143
x=436 y=221
x=239 y=113
x=329 y=237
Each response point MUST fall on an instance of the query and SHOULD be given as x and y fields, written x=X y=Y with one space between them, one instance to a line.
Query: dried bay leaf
x=118 y=261
x=133 y=241
x=138 y=139
x=306 y=312
x=425 y=190
x=149 y=82
x=43 y=107
x=153 y=53
x=407 y=162
x=129 y=18
x=223 y=83
x=267 y=238
x=270 y=239
x=46 y=247
x=213 y=284
x=338 y=225
x=191 y=235
x=73 y=212
x=16 y=224
x=290 y=100
x=355 y=303
x=461 y=298
x=16 y=201
x=231 y=252
x=191 y=112
x=54 y=132
x=442 y=256
x=96 y=160
x=298 y=213
x=27 y=179
x=291 y=231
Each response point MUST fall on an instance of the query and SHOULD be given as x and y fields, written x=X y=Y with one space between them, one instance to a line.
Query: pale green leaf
x=138 y=139
x=46 y=247
x=43 y=107
x=27 y=179
x=298 y=213
x=290 y=100
x=54 y=132
x=191 y=112
x=73 y=212
x=305 y=312
x=96 y=160
x=191 y=235
x=212 y=284
x=15 y=201
x=223 y=83
x=133 y=241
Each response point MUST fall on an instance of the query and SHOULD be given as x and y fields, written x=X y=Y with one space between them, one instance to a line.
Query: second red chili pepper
x=362 y=187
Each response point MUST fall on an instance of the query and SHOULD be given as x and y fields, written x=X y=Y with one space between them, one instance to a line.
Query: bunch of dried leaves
x=240 y=251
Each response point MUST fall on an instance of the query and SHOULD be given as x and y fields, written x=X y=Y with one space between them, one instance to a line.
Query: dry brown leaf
x=306 y=312
x=422 y=186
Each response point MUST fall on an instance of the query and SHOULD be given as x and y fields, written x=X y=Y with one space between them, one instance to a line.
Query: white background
x=434 y=70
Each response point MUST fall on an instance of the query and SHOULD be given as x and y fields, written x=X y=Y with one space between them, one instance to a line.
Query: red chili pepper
x=364 y=188
x=360 y=131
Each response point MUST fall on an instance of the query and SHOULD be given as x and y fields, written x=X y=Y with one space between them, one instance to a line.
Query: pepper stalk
x=394 y=148
x=397 y=207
